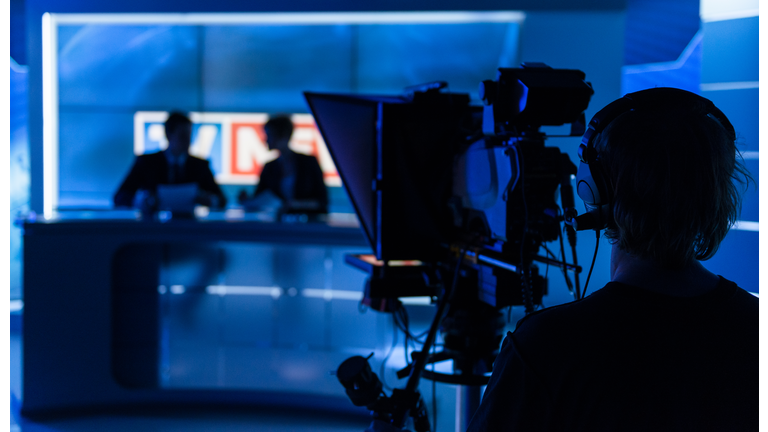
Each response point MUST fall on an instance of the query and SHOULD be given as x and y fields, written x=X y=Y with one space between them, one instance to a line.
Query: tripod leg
x=467 y=402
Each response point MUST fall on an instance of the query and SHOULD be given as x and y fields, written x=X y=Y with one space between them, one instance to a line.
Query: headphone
x=593 y=185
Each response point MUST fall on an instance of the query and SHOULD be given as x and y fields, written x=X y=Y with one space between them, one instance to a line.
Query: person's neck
x=690 y=281
x=174 y=159
x=287 y=158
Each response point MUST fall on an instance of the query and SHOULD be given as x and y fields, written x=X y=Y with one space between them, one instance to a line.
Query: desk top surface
x=229 y=225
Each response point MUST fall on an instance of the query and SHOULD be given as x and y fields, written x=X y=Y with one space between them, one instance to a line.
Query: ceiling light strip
x=298 y=18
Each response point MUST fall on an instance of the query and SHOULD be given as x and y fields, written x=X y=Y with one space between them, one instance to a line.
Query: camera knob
x=487 y=91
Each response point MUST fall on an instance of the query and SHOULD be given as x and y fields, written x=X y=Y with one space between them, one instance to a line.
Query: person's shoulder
x=569 y=309
x=738 y=290
x=560 y=321
x=269 y=166
x=740 y=298
x=197 y=160
x=198 y=165
x=306 y=159
x=546 y=322
x=553 y=325
x=150 y=157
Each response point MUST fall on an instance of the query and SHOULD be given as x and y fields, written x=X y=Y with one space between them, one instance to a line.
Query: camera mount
x=456 y=201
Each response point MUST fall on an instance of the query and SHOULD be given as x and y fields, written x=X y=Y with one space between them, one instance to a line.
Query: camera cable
x=554 y=258
x=382 y=368
x=597 y=244
x=568 y=281
x=421 y=359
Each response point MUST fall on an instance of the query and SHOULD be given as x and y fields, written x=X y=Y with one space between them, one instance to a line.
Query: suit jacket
x=309 y=181
x=151 y=170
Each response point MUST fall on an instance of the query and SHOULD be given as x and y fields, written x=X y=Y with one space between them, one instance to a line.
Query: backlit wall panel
x=720 y=62
x=19 y=170
x=109 y=72
x=392 y=57
x=729 y=78
x=106 y=67
x=265 y=68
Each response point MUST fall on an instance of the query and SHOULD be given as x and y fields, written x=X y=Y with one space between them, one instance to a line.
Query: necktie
x=178 y=172
x=174 y=173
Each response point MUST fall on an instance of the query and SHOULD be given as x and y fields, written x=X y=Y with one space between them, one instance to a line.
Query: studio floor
x=174 y=419
x=202 y=418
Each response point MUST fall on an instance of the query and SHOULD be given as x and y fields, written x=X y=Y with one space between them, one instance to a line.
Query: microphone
x=590 y=220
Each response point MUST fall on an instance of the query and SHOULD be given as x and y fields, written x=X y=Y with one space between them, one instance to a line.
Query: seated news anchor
x=172 y=166
x=294 y=179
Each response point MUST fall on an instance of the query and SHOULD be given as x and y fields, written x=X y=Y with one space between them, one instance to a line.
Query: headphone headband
x=593 y=185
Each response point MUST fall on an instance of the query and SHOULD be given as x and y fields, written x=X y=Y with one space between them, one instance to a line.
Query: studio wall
x=108 y=72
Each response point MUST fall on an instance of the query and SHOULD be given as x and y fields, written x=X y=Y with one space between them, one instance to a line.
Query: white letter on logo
x=251 y=148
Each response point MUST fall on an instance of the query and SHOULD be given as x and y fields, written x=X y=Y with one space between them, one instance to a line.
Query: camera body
x=428 y=171
x=456 y=201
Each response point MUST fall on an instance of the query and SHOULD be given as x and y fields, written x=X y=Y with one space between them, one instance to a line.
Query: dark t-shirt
x=629 y=359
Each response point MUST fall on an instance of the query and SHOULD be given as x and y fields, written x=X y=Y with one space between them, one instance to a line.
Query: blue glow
x=684 y=73
x=155 y=140
x=737 y=85
x=17 y=306
x=746 y=226
x=393 y=57
x=523 y=98
x=107 y=72
x=208 y=150
x=128 y=66
x=731 y=50
x=19 y=165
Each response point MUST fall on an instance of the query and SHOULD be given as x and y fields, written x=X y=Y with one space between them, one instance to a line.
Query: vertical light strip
x=138 y=133
x=50 y=117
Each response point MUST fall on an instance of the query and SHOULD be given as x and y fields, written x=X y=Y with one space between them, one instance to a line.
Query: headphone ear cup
x=587 y=188
x=591 y=186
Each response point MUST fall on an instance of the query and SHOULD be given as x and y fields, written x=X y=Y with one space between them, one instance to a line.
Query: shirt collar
x=175 y=160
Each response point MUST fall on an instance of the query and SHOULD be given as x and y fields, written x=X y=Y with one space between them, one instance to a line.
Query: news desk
x=120 y=311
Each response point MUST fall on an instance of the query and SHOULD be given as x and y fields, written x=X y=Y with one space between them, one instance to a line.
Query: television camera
x=457 y=201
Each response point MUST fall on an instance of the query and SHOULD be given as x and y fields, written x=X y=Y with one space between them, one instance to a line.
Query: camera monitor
x=395 y=156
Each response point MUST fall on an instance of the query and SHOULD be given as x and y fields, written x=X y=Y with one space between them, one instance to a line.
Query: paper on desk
x=177 y=197
x=265 y=201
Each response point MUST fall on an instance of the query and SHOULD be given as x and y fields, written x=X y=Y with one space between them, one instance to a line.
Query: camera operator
x=666 y=345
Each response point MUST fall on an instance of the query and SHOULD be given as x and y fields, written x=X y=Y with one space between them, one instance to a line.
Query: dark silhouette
x=173 y=166
x=295 y=179
x=666 y=345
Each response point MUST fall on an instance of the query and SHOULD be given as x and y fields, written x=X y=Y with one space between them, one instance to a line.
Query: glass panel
x=19 y=187
x=95 y=155
x=231 y=315
x=266 y=68
x=392 y=57
x=108 y=72
x=145 y=67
